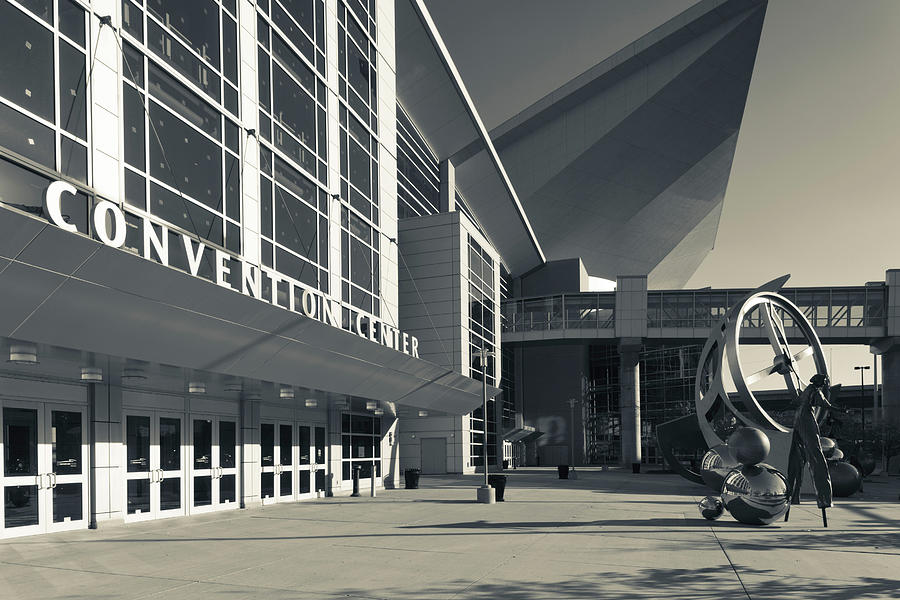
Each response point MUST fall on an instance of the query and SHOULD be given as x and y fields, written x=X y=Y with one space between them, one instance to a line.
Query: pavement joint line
x=733 y=568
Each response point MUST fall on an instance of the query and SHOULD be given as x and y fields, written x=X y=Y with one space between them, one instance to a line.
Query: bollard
x=372 y=492
x=355 y=493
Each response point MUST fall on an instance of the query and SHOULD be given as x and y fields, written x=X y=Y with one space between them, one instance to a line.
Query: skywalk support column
x=889 y=349
x=630 y=403
x=631 y=328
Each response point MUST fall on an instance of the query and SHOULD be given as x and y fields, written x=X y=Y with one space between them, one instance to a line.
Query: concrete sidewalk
x=606 y=535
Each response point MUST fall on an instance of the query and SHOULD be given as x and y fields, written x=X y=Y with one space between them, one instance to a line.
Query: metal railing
x=592 y=310
x=852 y=307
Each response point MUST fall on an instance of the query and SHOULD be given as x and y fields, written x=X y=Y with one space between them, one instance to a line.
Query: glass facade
x=418 y=171
x=181 y=143
x=358 y=133
x=361 y=440
x=293 y=128
x=482 y=335
x=667 y=392
x=43 y=97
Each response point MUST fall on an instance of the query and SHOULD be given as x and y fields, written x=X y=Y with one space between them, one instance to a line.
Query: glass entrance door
x=319 y=460
x=154 y=465
x=44 y=476
x=278 y=475
x=307 y=467
x=213 y=463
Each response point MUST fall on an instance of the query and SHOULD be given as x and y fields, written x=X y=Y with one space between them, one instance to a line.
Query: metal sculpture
x=759 y=492
x=806 y=448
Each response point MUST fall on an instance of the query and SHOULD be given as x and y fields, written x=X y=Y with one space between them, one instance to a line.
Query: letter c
x=52 y=206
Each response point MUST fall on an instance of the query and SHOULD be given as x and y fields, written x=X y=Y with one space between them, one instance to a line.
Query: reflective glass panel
x=203 y=490
x=227 y=444
x=27 y=80
x=20 y=442
x=20 y=504
x=285 y=483
x=170 y=494
x=304 y=445
x=138 y=443
x=72 y=96
x=285 y=442
x=202 y=444
x=227 y=488
x=304 y=482
x=138 y=496
x=169 y=444
x=267 y=485
x=267 y=444
x=67 y=502
x=66 y=438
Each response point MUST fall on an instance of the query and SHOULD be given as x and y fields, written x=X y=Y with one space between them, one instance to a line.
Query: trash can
x=498 y=482
x=563 y=471
x=636 y=467
x=412 y=478
x=505 y=463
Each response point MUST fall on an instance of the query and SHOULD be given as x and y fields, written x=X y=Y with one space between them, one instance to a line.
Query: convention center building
x=249 y=248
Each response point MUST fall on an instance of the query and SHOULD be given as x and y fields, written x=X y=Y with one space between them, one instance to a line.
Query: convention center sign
x=158 y=242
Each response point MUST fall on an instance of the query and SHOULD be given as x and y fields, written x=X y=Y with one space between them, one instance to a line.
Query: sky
x=815 y=183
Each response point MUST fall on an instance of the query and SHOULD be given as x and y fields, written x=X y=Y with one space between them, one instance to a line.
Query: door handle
x=162 y=475
x=53 y=484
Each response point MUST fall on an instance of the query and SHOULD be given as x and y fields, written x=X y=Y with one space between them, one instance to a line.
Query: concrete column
x=107 y=453
x=250 y=467
x=890 y=391
x=448 y=187
x=630 y=403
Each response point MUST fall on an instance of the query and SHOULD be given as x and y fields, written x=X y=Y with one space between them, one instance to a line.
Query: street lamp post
x=862 y=389
x=572 y=402
x=485 y=492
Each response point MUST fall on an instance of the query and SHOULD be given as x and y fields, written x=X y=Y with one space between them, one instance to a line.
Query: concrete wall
x=556 y=277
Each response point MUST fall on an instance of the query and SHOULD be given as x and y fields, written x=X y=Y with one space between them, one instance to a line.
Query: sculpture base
x=486 y=495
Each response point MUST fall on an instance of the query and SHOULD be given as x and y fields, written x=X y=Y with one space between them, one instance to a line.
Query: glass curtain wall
x=43 y=97
x=482 y=334
x=358 y=132
x=294 y=142
x=418 y=171
x=667 y=392
x=361 y=437
x=181 y=139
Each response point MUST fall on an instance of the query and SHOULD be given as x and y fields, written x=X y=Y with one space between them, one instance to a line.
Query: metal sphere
x=845 y=479
x=749 y=445
x=711 y=507
x=866 y=462
x=755 y=494
x=836 y=455
x=828 y=446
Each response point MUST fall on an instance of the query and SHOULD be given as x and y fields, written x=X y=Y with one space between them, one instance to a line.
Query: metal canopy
x=68 y=290
x=433 y=94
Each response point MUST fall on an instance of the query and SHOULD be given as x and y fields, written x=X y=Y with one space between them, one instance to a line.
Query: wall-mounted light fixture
x=196 y=387
x=286 y=392
x=311 y=402
x=371 y=405
x=378 y=412
x=423 y=413
x=234 y=385
x=23 y=354
x=134 y=373
x=91 y=374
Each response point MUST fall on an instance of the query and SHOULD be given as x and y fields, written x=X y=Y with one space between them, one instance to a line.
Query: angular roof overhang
x=433 y=94
x=65 y=289
x=626 y=166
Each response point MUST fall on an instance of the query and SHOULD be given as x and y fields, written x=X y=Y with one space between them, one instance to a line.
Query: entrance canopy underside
x=68 y=290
